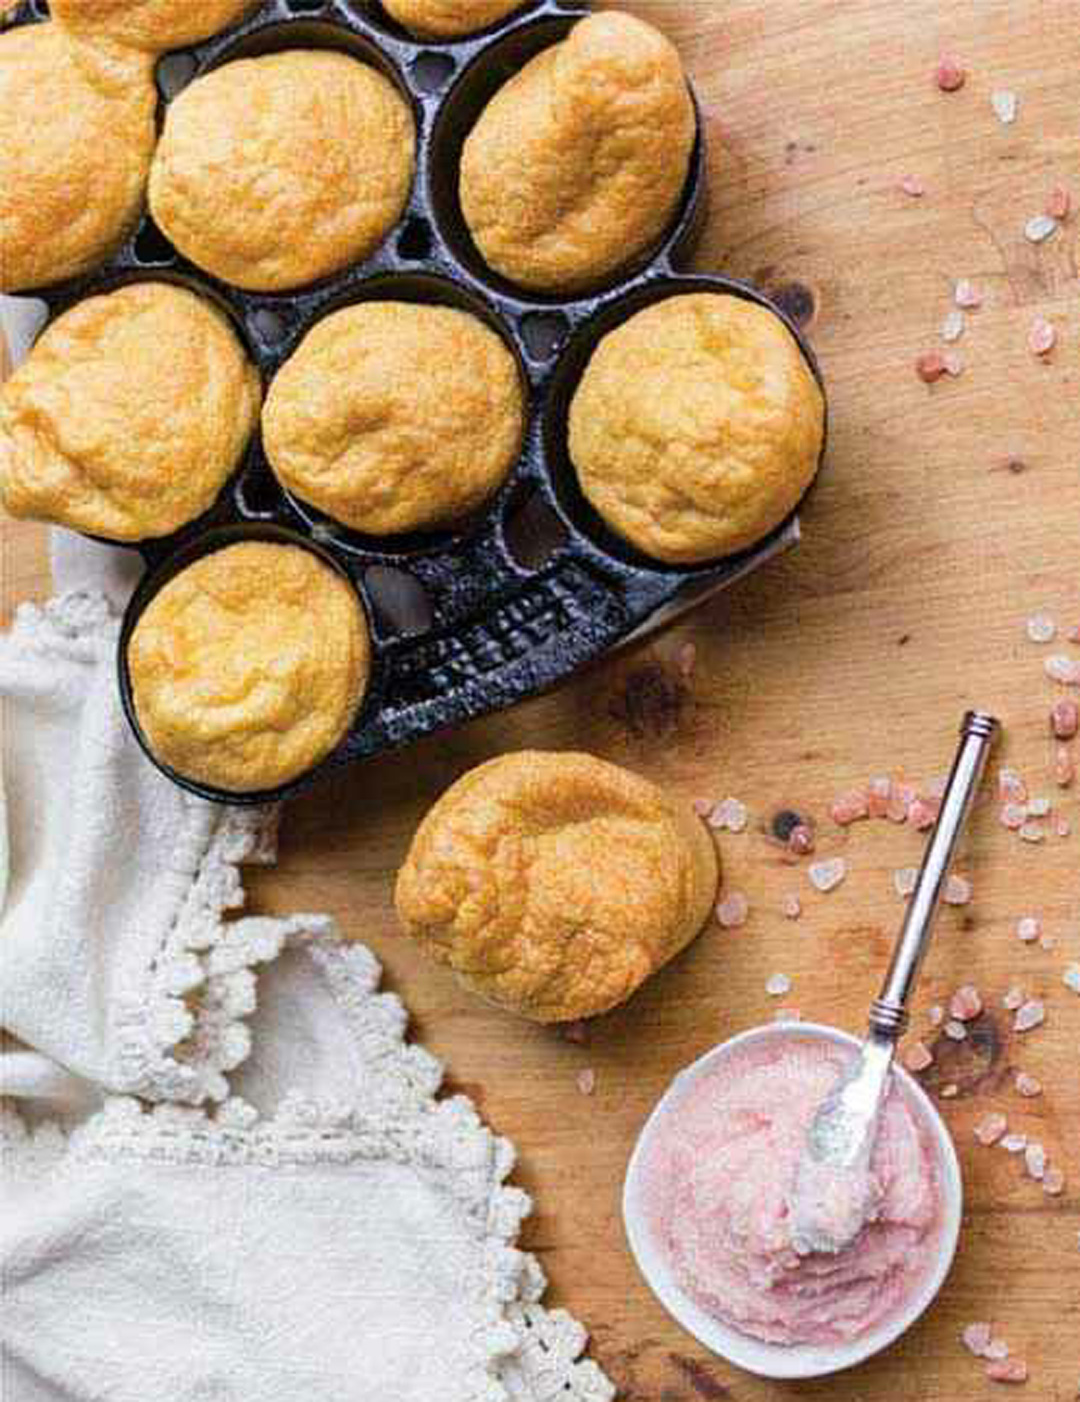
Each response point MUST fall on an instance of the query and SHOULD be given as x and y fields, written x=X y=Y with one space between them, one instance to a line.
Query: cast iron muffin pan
x=470 y=621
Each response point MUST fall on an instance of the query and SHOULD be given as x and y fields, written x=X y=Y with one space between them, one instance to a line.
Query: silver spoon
x=833 y=1196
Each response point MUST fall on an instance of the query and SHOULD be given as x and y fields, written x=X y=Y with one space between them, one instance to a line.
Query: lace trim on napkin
x=520 y=1350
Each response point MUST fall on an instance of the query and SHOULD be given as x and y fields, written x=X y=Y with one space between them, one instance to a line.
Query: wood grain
x=923 y=557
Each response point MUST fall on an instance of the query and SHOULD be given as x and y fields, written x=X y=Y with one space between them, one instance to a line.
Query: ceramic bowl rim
x=777 y=1360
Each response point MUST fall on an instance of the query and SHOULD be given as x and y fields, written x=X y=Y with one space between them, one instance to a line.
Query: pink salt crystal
x=1071 y=977
x=954 y=364
x=576 y=1032
x=950 y=1092
x=930 y=366
x=878 y=795
x=826 y=876
x=1028 y=929
x=976 y=1339
x=1058 y=203
x=949 y=75
x=801 y=840
x=966 y=295
x=1028 y=1086
x=996 y=1350
x=1065 y=719
x=918 y=1056
x=913 y=186
x=586 y=1081
x=957 y=891
x=988 y=1131
x=729 y=815
x=966 y=1003
x=922 y=814
x=1014 y=816
x=952 y=328
x=955 y=1030
x=1063 y=827
x=1063 y=669
x=897 y=810
x=1014 y=998
x=778 y=986
x=1007 y=1370
x=936 y=1014
x=1040 y=628
x=1047 y=942
x=732 y=912
x=1035 y=1160
x=904 y=880
x=1011 y=787
x=1029 y=1015
x=1041 y=338
x=849 y=808
x=1064 y=768
x=703 y=806
x=1053 y=1182
x=1039 y=808
x=792 y=907
x=1033 y=832
x=1014 y=1143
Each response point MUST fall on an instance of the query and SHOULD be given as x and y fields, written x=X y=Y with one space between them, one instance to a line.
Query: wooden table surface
x=925 y=552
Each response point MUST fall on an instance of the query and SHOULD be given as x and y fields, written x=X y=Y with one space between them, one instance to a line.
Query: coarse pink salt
x=1065 y=719
x=1013 y=816
x=1028 y=1086
x=1014 y=1143
x=966 y=295
x=733 y=911
x=930 y=366
x=1064 y=767
x=1039 y=808
x=990 y=1129
x=996 y=1350
x=1029 y=1015
x=1040 y=628
x=957 y=891
x=1062 y=827
x=1053 y=1182
x=1006 y=105
x=801 y=841
x=586 y=1081
x=955 y=1030
x=952 y=328
x=923 y=814
x=1058 y=203
x=703 y=806
x=949 y=75
x=1035 y=1160
x=826 y=876
x=878 y=794
x=1011 y=787
x=1013 y=998
x=729 y=815
x=1063 y=669
x=911 y=185
x=1008 y=1370
x=936 y=1014
x=954 y=364
x=1048 y=942
x=897 y=810
x=792 y=908
x=976 y=1339
x=1033 y=832
x=1071 y=977
x=849 y=808
x=1040 y=228
x=950 y=1092
x=1028 y=929
x=904 y=881
x=1042 y=338
x=778 y=986
x=966 y=1003
x=918 y=1056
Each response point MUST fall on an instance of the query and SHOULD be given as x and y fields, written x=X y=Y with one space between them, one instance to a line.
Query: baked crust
x=449 y=19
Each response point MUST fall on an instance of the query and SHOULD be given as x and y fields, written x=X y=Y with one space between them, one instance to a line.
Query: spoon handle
x=889 y=1014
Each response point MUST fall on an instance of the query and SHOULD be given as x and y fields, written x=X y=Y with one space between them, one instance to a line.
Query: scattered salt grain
x=826 y=876
x=1058 y=203
x=950 y=1092
x=955 y=1030
x=703 y=806
x=1009 y=1370
x=1011 y=787
x=897 y=811
x=1048 y=942
x=1033 y=832
x=1071 y=977
x=732 y=912
x=952 y=328
x=879 y=791
x=586 y=1081
x=949 y=75
x=1065 y=719
x=904 y=880
x=966 y=1003
x=1035 y=1160
x=1053 y=1182
x=1039 y=808
x=1063 y=827
x=1028 y=1086
x=1013 y=998
x=996 y=1350
x=911 y=185
x=976 y=1339
x=1014 y=816
x=1029 y=1015
x=1039 y=228
x=1014 y=1143
x=729 y=815
x=957 y=891
x=849 y=808
x=1063 y=669
x=918 y=1056
x=936 y=1015
x=989 y=1130
x=1028 y=929
x=966 y=295
x=1042 y=337
x=954 y=364
x=930 y=366
x=1064 y=768
x=801 y=840
x=778 y=986
x=923 y=814
x=1005 y=105
x=1041 y=628
x=792 y=908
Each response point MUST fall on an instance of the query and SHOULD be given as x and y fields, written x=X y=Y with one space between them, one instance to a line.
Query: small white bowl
x=779 y=1360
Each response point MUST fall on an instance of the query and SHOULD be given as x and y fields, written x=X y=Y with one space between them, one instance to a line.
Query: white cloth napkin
x=224 y=1173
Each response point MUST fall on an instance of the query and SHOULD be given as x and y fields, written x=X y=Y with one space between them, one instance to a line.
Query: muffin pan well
x=467 y=622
